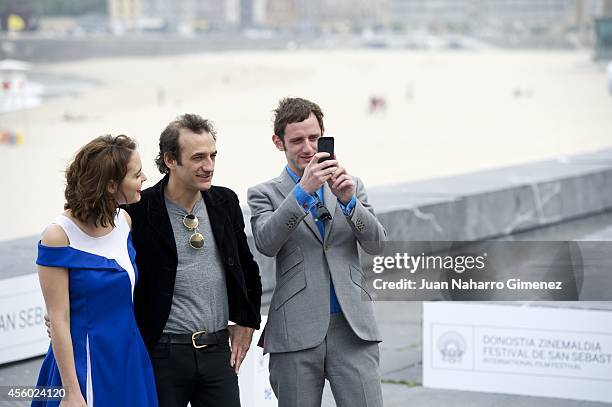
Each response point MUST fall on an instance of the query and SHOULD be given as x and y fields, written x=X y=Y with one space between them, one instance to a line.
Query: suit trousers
x=203 y=377
x=349 y=363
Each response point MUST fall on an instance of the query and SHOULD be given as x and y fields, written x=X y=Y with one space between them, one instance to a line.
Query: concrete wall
x=472 y=206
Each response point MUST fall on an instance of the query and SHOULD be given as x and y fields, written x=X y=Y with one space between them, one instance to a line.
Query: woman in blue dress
x=87 y=270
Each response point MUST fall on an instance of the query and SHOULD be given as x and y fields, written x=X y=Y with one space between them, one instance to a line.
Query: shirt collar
x=296 y=178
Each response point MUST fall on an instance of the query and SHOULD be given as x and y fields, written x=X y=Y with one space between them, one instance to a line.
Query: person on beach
x=312 y=218
x=87 y=270
x=197 y=273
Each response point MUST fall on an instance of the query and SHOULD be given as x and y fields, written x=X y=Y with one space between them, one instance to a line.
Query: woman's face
x=131 y=186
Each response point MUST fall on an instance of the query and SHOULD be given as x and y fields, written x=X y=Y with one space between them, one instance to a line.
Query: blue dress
x=112 y=364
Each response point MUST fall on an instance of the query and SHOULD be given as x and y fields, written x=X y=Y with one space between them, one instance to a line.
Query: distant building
x=314 y=15
x=606 y=8
x=603 y=32
x=247 y=11
x=124 y=10
x=57 y=26
x=187 y=14
x=351 y=14
x=475 y=13
x=528 y=12
x=416 y=13
x=282 y=14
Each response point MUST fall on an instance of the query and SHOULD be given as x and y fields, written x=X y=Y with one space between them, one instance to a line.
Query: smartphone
x=326 y=145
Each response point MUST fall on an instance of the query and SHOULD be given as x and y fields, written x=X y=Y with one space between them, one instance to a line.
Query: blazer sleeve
x=368 y=231
x=250 y=269
x=272 y=227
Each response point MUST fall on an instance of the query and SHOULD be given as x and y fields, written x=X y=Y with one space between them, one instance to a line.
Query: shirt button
x=230 y=261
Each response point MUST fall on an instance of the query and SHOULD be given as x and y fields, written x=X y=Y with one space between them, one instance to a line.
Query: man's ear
x=278 y=142
x=170 y=161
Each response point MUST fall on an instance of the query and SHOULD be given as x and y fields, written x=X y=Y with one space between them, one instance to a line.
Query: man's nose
x=311 y=147
x=208 y=164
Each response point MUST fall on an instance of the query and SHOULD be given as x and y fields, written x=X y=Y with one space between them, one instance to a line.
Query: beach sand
x=448 y=112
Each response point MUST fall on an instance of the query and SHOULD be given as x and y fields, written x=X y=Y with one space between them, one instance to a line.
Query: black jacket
x=156 y=258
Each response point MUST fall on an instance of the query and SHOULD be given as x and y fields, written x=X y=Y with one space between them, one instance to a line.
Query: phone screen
x=326 y=145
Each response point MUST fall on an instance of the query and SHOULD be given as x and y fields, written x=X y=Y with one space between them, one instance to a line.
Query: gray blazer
x=299 y=311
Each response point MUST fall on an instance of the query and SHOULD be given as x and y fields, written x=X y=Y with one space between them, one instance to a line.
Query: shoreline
x=48 y=47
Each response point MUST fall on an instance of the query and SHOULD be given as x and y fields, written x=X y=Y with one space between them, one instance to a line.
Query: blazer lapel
x=218 y=217
x=285 y=185
x=331 y=202
x=157 y=216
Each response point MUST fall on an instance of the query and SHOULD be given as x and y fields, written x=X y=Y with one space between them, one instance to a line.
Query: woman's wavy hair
x=99 y=164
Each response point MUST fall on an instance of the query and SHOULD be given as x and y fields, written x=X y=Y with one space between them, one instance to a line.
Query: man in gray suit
x=311 y=218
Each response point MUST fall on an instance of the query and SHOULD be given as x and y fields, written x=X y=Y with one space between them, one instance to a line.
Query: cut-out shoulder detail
x=55 y=236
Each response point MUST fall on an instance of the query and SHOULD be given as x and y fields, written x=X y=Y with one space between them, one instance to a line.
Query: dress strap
x=72 y=258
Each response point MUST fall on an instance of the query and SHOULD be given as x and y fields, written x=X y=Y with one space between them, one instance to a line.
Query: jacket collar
x=218 y=213
x=157 y=215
